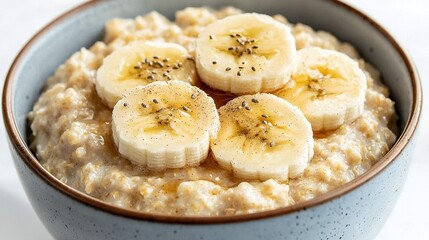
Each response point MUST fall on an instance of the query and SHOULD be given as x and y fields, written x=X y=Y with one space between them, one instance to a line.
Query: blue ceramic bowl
x=357 y=210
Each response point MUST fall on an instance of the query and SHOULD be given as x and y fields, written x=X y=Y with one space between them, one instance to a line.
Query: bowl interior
x=85 y=26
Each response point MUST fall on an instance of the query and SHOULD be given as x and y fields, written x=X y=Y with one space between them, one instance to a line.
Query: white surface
x=406 y=20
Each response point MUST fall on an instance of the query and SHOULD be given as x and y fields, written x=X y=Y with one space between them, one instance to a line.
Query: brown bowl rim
x=30 y=160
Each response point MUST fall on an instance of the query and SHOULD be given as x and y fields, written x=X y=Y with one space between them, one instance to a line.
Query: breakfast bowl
x=354 y=210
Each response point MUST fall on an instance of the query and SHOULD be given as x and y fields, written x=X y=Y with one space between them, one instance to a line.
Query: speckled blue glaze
x=358 y=214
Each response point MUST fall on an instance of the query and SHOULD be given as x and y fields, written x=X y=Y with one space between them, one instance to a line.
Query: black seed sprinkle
x=185 y=108
x=175 y=67
x=211 y=37
x=155 y=100
x=240 y=67
x=232 y=35
x=179 y=65
x=164 y=74
x=214 y=62
x=249 y=51
x=264 y=115
x=155 y=57
x=190 y=58
x=254 y=100
x=228 y=69
x=255 y=47
x=144 y=105
x=272 y=144
x=244 y=103
x=159 y=64
x=247 y=108
x=137 y=67
x=253 y=69
x=265 y=122
x=125 y=104
x=238 y=73
x=165 y=60
x=150 y=77
x=230 y=48
x=193 y=96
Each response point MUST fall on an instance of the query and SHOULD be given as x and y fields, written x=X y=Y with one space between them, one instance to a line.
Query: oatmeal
x=72 y=132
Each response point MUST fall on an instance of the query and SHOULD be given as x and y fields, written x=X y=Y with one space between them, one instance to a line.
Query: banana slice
x=141 y=63
x=262 y=137
x=328 y=87
x=245 y=53
x=165 y=125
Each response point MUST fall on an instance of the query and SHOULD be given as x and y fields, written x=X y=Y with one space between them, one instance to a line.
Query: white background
x=406 y=20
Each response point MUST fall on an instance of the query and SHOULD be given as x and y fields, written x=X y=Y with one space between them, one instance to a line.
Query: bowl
x=356 y=210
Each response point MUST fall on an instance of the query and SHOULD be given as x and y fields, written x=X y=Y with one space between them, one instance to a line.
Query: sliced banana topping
x=141 y=63
x=165 y=125
x=261 y=137
x=245 y=53
x=328 y=87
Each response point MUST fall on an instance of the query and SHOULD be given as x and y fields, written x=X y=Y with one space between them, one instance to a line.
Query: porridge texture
x=72 y=134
